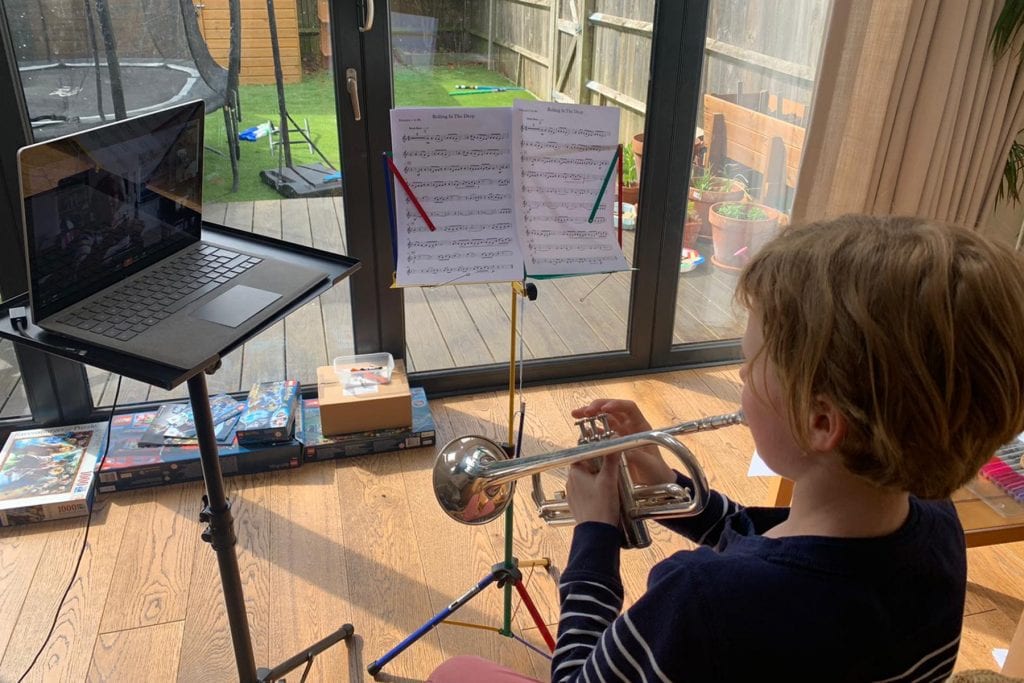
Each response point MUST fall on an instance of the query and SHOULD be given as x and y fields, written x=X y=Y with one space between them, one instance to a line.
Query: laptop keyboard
x=127 y=311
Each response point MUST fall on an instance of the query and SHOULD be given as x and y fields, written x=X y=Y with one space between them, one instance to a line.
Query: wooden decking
x=453 y=326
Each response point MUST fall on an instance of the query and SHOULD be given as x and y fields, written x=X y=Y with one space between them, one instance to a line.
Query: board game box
x=320 y=447
x=49 y=473
x=270 y=412
x=129 y=465
x=174 y=425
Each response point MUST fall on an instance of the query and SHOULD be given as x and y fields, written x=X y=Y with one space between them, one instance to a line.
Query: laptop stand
x=216 y=510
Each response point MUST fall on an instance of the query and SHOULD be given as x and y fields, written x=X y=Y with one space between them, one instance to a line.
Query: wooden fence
x=257 y=52
x=598 y=51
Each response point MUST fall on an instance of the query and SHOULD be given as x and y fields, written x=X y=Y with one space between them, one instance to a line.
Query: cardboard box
x=382 y=406
x=319 y=447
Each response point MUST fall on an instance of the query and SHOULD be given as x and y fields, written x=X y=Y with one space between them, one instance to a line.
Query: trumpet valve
x=593 y=429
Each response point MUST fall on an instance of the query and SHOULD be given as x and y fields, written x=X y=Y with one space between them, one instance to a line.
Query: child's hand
x=646 y=465
x=594 y=496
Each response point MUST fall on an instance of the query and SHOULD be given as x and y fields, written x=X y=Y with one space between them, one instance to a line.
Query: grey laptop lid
x=104 y=203
x=113 y=231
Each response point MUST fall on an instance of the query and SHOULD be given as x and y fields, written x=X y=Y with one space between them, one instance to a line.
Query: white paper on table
x=457 y=161
x=758 y=467
x=562 y=154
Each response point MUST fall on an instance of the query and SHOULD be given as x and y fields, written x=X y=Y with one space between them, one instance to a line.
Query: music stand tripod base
x=500 y=574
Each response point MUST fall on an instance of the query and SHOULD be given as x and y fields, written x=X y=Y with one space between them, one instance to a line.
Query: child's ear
x=828 y=425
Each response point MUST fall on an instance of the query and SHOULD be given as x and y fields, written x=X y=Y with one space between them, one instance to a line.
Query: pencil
x=604 y=186
x=620 y=196
x=409 y=193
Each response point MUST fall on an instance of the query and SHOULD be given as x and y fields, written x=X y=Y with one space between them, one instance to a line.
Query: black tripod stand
x=216 y=512
x=220 y=533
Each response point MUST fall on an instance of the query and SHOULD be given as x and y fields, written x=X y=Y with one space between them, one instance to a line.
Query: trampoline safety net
x=80 y=61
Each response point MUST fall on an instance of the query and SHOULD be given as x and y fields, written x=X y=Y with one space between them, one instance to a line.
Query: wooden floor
x=454 y=326
x=362 y=541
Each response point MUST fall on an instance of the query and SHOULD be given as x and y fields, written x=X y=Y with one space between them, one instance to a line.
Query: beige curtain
x=911 y=113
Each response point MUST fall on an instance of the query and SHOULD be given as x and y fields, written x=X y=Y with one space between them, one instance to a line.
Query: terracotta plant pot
x=724 y=190
x=638 y=151
x=691 y=230
x=736 y=240
x=630 y=194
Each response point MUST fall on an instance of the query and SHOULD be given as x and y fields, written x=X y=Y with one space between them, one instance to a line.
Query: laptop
x=112 y=220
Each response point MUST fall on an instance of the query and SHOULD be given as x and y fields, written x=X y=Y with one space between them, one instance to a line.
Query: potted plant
x=637 y=147
x=706 y=189
x=630 y=177
x=739 y=229
x=692 y=226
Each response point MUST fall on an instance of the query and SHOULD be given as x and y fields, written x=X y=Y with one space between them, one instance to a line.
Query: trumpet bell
x=461 y=492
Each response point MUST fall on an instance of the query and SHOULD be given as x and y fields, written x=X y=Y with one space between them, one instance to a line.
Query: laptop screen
x=107 y=202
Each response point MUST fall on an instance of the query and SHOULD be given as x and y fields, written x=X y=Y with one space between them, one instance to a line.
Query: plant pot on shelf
x=739 y=230
x=712 y=192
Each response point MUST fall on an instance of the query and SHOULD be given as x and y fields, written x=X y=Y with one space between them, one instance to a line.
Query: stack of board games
x=130 y=465
x=270 y=413
x=320 y=447
x=174 y=425
x=49 y=473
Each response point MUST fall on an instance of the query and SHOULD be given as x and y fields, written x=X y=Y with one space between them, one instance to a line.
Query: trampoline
x=84 y=62
x=62 y=97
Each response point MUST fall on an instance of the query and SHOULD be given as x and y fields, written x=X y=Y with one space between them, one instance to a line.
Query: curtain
x=911 y=115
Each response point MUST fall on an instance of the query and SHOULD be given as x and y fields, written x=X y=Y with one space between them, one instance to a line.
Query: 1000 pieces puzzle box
x=49 y=473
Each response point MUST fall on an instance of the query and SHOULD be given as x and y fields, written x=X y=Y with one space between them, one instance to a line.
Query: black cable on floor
x=85 y=540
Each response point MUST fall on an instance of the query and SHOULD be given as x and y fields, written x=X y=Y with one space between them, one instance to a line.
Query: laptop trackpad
x=235 y=306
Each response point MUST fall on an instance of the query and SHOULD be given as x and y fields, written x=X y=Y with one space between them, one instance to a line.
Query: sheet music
x=457 y=161
x=562 y=155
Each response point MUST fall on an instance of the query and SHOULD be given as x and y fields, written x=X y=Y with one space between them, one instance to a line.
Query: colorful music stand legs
x=506 y=573
x=500 y=574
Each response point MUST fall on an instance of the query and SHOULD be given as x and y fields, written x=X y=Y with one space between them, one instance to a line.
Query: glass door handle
x=368 y=16
x=352 y=85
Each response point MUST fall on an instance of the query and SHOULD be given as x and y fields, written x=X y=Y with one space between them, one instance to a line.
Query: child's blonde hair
x=913 y=328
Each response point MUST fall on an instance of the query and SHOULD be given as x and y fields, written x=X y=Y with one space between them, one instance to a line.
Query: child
x=884 y=366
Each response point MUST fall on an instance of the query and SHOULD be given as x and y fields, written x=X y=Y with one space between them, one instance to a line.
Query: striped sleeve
x=591 y=598
x=595 y=642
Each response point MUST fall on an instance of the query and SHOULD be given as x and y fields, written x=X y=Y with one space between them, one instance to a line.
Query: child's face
x=763 y=406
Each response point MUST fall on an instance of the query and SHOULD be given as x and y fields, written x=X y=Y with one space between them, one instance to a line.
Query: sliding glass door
x=710 y=109
x=489 y=54
x=755 y=92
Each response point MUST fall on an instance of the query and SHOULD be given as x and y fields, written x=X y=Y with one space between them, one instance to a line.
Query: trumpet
x=474 y=478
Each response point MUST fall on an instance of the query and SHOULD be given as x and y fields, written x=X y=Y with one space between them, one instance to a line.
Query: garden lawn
x=313 y=100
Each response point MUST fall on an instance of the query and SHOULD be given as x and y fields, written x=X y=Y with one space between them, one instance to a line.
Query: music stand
x=506 y=573
x=216 y=511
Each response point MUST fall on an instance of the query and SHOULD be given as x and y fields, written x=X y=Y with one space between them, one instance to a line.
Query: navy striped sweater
x=745 y=607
